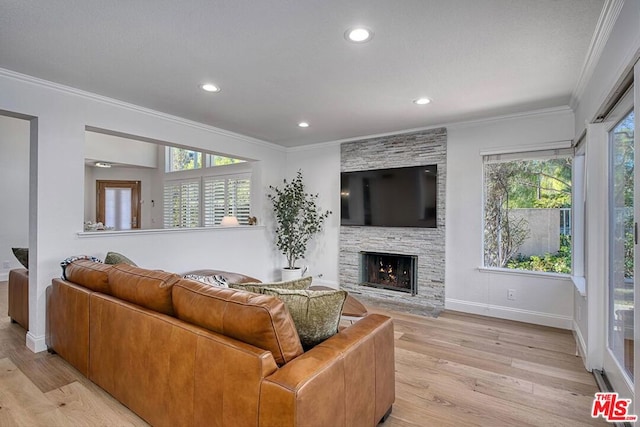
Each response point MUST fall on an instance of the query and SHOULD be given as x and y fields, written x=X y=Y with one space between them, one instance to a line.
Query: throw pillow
x=22 y=254
x=316 y=314
x=117 y=258
x=215 y=280
x=258 y=288
x=69 y=260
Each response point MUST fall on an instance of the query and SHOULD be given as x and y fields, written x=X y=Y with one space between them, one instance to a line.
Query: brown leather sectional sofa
x=19 y=296
x=181 y=353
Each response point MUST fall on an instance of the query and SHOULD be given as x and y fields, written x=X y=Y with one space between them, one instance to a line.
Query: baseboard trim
x=36 y=343
x=581 y=346
x=509 y=313
x=4 y=277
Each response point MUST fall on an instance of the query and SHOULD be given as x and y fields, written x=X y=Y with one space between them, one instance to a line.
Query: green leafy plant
x=559 y=262
x=298 y=218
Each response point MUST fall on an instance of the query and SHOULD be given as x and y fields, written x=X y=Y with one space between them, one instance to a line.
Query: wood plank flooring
x=454 y=370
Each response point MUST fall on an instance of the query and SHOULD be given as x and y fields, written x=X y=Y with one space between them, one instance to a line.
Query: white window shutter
x=239 y=199
x=214 y=200
x=181 y=203
x=171 y=211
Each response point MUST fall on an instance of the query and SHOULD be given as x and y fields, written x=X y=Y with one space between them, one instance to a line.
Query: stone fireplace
x=426 y=147
x=394 y=272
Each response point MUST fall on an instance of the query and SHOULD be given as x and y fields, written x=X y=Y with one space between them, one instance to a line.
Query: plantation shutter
x=239 y=199
x=171 y=211
x=227 y=195
x=182 y=203
x=214 y=200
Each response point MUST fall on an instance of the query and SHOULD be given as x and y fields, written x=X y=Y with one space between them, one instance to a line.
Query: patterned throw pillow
x=316 y=314
x=22 y=255
x=69 y=260
x=258 y=288
x=117 y=258
x=215 y=280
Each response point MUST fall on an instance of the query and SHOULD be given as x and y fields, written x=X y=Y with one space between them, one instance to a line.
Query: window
x=215 y=160
x=182 y=203
x=527 y=211
x=200 y=195
x=181 y=159
x=621 y=243
x=226 y=196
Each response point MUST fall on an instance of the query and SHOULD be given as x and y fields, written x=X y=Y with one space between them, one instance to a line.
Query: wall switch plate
x=6 y=264
x=511 y=294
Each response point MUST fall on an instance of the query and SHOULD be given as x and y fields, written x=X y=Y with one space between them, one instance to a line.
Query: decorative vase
x=291 y=273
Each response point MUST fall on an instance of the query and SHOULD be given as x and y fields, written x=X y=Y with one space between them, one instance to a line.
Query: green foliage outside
x=623 y=188
x=524 y=184
x=216 y=160
x=183 y=159
x=558 y=263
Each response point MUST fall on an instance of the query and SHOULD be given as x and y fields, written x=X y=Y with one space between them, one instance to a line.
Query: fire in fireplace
x=389 y=271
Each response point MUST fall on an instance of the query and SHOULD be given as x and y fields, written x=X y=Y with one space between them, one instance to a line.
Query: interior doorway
x=118 y=204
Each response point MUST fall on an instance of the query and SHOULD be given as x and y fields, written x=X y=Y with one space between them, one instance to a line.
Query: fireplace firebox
x=389 y=271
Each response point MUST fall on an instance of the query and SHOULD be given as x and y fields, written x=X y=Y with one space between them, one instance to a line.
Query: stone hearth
x=428 y=244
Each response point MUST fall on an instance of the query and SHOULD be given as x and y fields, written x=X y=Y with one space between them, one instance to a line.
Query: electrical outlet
x=6 y=265
x=511 y=294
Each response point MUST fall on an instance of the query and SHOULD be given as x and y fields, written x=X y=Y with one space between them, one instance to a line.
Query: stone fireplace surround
x=428 y=244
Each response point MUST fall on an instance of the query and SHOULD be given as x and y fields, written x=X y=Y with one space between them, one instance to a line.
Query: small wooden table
x=352 y=310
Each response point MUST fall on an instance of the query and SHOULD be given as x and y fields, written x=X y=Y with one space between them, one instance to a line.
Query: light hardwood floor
x=454 y=370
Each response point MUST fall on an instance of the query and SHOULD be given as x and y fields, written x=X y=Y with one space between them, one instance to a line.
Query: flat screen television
x=397 y=197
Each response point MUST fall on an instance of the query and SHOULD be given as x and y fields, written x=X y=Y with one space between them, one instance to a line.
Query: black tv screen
x=398 y=197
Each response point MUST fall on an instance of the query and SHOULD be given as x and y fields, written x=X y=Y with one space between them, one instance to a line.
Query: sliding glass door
x=624 y=183
x=621 y=250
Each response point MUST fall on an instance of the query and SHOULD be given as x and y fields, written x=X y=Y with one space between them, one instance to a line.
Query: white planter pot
x=291 y=274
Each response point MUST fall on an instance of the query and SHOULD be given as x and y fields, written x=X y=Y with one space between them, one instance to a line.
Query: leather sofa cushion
x=260 y=320
x=148 y=288
x=92 y=275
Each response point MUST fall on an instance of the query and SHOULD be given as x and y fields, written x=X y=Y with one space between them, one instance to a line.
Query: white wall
x=57 y=193
x=116 y=149
x=14 y=190
x=541 y=299
x=320 y=165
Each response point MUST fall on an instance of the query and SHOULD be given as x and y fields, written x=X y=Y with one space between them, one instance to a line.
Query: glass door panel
x=622 y=235
x=118 y=208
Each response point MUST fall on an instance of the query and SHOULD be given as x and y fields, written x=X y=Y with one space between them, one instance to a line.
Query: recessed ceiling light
x=421 y=101
x=358 y=34
x=209 y=87
x=303 y=124
x=102 y=164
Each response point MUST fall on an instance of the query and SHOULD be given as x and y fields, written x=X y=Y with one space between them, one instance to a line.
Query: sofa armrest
x=347 y=380
x=68 y=323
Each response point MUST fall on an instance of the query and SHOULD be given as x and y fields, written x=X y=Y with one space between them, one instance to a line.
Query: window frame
x=243 y=170
x=536 y=152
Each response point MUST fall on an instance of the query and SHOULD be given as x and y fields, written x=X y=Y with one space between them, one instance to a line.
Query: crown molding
x=136 y=108
x=450 y=125
x=608 y=17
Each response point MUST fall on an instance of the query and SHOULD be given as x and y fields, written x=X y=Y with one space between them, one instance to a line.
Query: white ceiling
x=279 y=62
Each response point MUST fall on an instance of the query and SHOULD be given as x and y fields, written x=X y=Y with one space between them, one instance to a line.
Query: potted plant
x=298 y=219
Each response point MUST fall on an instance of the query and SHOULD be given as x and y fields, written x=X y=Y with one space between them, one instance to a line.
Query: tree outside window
x=527 y=214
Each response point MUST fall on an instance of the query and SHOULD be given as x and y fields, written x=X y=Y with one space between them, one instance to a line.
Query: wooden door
x=118 y=204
